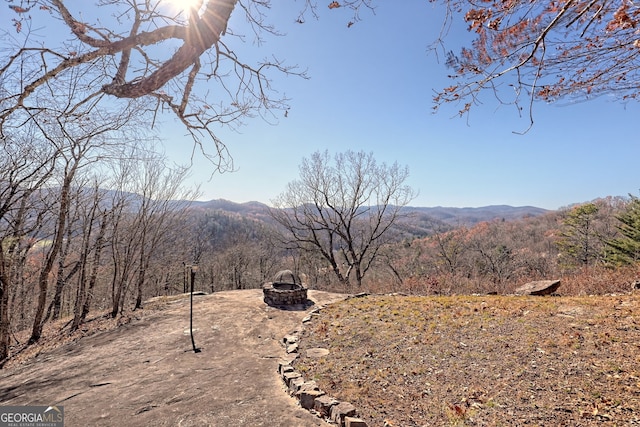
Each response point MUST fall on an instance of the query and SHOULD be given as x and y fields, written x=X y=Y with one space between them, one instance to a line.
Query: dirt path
x=145 y=373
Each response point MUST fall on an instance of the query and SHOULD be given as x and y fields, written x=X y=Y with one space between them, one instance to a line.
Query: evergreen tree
x=626 y=249
x=580 y=243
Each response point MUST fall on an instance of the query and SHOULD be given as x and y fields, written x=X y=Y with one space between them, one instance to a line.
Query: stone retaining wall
x=344 y=414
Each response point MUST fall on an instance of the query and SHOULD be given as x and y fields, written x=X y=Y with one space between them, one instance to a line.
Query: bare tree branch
x=141 y=51
x=545 y=51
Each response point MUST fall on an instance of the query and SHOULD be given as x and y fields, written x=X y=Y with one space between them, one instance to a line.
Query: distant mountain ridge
x=228 y=205
x=471 y=216
x=448 y=215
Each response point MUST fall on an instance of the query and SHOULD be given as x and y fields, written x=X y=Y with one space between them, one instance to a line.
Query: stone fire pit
x=286 y=290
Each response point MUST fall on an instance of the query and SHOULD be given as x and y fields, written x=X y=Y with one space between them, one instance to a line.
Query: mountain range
x=425 y=218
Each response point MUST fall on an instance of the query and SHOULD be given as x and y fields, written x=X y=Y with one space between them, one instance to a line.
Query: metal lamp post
x=192 y=269
x=184 y=277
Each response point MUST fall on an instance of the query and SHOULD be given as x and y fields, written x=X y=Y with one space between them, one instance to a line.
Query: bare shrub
x=599 y=280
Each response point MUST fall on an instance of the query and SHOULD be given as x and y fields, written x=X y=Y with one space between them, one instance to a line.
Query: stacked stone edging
x=309 y=395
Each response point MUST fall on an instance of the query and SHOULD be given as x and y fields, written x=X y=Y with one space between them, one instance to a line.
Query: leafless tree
x=128 y=49
x=122 y=247
x=450 y=249
x=493 y=254
x=159 y=188
x=94 y=227
x=244 y=264
x=341 y=208
x=183 y=62
x=145 y=190
x=69 y=265
x=25 y=166
x=81 y=142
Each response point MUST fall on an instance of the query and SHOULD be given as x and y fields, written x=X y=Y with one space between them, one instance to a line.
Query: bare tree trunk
x=84 y=255
x=55 y=307
x=7 y=265
x=43 y=278
x=13 y=255
x=85 y=290
x=117 y=290
x=140 y=285
x=4 y=309
x=93 y=277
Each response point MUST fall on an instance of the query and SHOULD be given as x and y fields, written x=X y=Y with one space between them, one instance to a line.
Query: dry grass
x=599 y=280
x=481 y=360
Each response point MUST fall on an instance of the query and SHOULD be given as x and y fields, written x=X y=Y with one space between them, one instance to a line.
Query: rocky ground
x=401 y=360
x=145 y=373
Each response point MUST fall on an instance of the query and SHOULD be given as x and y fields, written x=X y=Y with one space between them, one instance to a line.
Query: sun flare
x=185 y=6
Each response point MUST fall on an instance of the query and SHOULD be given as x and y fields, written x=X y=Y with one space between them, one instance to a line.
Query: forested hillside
x=499 y=255
x=457 y=250
x=119 y=249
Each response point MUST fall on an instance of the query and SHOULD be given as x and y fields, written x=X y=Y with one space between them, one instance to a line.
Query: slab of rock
x=295 y=385
x=284 y=367
x=539 y=287
x=288 y=358
x=290 y=376
x=342 y=410
x=290 y=339
x=309 y=385
x=308 y=397
x=354 y=422
x=317 y=352
x=323 y=404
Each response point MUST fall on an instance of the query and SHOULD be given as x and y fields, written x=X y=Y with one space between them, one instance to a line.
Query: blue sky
x=371 y=89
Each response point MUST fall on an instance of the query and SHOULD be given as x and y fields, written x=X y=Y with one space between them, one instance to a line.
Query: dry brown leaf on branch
x=18 y=9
